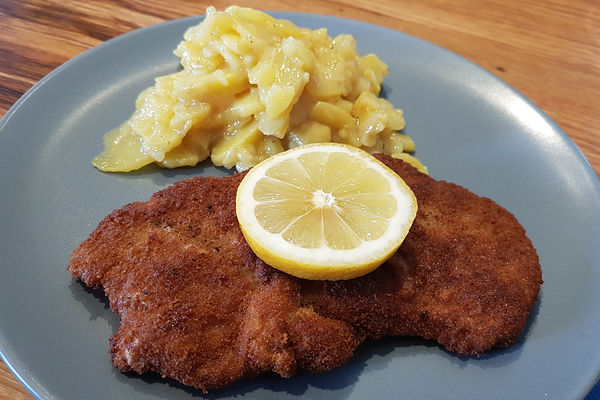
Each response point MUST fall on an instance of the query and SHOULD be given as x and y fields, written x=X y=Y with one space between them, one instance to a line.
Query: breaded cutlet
x=197 y=305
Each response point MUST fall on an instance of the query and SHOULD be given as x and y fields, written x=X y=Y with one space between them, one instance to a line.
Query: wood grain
x=549 y=50
x=10 y=388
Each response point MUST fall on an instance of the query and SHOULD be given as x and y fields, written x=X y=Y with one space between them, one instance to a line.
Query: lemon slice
x=324 y=211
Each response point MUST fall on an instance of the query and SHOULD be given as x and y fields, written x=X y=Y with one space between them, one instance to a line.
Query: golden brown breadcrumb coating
x=198 y=306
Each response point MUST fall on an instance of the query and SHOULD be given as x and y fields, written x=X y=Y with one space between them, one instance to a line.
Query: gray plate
x=469 y=127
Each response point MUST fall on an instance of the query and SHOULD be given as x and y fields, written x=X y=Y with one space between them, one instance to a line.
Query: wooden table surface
x=549 y=50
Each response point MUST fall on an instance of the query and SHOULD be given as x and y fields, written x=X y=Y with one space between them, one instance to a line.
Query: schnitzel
x=197 y=305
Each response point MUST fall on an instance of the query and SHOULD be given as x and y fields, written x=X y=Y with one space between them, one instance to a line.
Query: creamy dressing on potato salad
x=253 y=86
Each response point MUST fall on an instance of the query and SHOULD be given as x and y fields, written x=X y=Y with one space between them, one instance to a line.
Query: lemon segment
x=324 y=211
